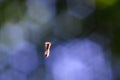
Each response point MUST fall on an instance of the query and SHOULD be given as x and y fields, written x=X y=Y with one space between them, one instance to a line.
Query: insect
x=47 y=46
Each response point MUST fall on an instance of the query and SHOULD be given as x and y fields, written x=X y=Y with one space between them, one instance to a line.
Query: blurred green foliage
x=108 y=22
x=105 y=3
x=11 y=10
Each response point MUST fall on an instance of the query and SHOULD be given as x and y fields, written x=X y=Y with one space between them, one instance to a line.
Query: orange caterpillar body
x=47 y=46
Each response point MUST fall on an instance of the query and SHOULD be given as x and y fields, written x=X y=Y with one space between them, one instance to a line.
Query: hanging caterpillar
x=47 y=46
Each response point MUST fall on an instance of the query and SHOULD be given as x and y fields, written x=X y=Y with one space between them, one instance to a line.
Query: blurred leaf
x=105 y=3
